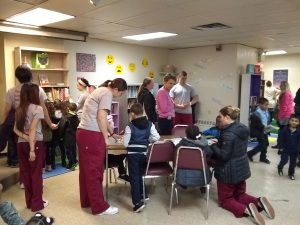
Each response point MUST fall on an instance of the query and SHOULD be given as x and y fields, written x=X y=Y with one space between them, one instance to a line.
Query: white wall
x=213 y=74
x=290 y=62
x=123 y=54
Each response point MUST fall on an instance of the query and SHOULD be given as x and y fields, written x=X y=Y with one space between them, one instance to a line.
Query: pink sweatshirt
x=286 y=105
x=165 y=106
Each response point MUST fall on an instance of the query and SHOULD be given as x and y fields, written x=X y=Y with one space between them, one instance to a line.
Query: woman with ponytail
x=82 y=86
x=92 y=139
x=232 y=169
x=31 y=149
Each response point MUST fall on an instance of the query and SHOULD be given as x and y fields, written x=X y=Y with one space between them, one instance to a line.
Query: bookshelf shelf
x=49 y=68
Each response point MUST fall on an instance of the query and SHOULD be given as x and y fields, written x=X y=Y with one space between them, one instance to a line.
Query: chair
x=190 y=158
x=179 y=130
x=159 y=156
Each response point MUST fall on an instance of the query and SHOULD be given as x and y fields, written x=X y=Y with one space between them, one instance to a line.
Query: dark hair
x=262 y=100
x=183 y=73
x=50 y=107
x=72 y=106
x=137 y=109
x=85 y=81
x=118 y=83
x=60 y=105
x=23 y=74
x=232 y=112
x=294 y=116
x=169 y=77
x=192 y=132
x=29 y=95
x=40 y=219
x=146 y=81
x=269 y=83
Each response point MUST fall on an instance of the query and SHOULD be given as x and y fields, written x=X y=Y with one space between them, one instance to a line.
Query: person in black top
x=297 y=103
x=146 y=99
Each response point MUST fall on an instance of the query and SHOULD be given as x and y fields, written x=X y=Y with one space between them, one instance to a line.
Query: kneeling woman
x=31 y=149
x=232 y=169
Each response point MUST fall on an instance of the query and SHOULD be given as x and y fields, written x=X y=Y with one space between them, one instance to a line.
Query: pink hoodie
x=286 y=105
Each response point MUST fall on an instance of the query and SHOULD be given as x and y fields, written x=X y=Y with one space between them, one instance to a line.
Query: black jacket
x=146 y=98
x=68 y=126
x=256 y=126
x=232 y=165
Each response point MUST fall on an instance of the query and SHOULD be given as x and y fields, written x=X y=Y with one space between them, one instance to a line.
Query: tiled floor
x=62 y=193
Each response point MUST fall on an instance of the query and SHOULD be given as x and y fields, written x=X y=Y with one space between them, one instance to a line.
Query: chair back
x=193 y=158
x=179 y=130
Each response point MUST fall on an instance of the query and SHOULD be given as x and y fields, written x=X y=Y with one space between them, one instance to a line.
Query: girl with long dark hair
x=31 y=149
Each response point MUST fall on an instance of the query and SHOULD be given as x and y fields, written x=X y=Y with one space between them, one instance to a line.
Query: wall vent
x=32 y=2
x=211 y=27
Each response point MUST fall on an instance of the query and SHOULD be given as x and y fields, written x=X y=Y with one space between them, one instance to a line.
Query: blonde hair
x=232 y=112
x=284 y=86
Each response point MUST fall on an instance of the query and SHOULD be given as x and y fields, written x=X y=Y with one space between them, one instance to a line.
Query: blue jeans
x=10 y=215
x=136 y=167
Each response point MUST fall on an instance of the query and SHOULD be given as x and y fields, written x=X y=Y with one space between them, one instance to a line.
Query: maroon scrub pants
x=32 y=173
x=184 y=119
x=91 y=150
x=234 y=198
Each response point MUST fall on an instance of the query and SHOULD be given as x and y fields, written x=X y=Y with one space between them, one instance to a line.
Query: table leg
x=106 y=174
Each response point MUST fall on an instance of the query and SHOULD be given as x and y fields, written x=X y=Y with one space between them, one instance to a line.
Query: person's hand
x=53 y=126
x=186 y=105
x=212 y=141
x=31 y=156
x=106 y=141
x=116 y=137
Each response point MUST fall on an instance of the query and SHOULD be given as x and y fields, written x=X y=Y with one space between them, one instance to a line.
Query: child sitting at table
x=191 y=178
x=139 y=132
x=213 y=132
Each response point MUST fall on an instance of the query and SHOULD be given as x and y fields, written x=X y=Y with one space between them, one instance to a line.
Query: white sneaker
x=21 y=186
x=46 y=203
x=110 y=211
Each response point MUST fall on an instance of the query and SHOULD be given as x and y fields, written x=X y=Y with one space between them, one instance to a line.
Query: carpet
x=58 y=171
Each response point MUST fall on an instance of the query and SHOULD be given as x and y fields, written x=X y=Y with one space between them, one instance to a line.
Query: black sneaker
x=265 y=161
x=267 y=207
x=279 y=151
x=255 y=214
x=292 y=177
x=280 y=172
x=124 y=177
x=138 y=207
x=275 y=146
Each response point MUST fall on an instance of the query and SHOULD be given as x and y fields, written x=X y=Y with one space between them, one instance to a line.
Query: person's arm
x=127 y=136
x=225 y=151
x=7 y=109
x=102 y=123
x=21 y=134
x=80 y=102
x=154 y=135
x=32 y=131
x=194 y=100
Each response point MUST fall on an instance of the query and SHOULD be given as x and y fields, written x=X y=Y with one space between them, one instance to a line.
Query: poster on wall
x=85 y=62
x=278 y=76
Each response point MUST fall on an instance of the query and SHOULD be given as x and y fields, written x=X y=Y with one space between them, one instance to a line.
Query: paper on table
x=174 y=140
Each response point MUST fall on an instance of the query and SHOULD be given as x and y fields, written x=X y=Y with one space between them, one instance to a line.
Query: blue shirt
x=264 y=116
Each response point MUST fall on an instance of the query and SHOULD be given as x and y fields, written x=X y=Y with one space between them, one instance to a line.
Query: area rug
x=58 y=171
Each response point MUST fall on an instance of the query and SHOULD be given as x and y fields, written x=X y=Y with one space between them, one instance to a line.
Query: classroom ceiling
x=266 y=24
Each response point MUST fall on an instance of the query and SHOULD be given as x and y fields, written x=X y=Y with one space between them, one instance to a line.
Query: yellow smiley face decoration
x=110 y=59
x=151 y=74
x=131 y=67
x=145 y=62
x=119 y=69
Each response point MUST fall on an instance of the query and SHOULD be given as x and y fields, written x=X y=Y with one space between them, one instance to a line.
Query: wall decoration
x=145 y=62
x=40 y=60
x=278 y=76
x=119 y=69
x=131 y=67
x=110 y=59
x=151 y=74
x=85 y=62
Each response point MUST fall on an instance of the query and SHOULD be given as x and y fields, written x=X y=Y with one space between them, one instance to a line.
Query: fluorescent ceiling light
x=39 y=17
x=277 y=52
x=142 y=37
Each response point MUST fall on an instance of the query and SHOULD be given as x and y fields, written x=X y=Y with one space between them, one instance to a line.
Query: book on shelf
x=43 y=79
x=58 y=93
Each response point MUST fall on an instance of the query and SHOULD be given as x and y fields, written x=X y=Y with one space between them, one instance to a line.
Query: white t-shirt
x=101 y=98
x=182 y=94
x=271 y=94
x=13 y=96
x=34 y=112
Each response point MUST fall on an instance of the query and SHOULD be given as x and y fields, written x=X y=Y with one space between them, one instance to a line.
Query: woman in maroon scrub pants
x=92 y=138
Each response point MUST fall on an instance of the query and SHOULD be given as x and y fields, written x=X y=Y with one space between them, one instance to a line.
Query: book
x=43 y=79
